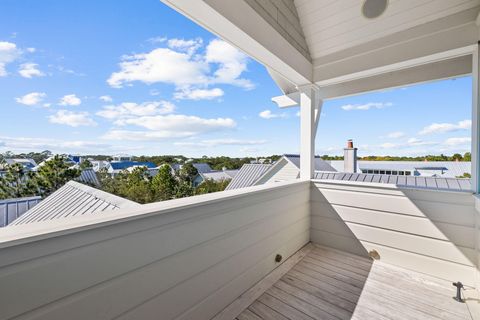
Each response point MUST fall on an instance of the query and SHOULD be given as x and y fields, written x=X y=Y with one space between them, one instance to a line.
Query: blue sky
x=103 y=77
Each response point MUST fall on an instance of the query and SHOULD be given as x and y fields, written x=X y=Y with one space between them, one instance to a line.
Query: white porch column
x=310 y=107
x=475 y=121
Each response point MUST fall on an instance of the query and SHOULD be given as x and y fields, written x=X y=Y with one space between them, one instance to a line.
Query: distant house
x=28 y=164
x=88 y=176
x=201 y=167
x=445 y=169
x=11 y=209
x=122 y=157
x=248 y=175
x=98 y=165
x=216 y=176
x=115 y=167
x=287 y=168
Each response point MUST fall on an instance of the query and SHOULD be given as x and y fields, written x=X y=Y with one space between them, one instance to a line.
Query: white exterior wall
x=180 y=259
x=427 y=231
x=285 y=171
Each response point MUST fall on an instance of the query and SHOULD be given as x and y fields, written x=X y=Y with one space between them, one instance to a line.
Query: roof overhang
x=238 y=23
x=437 y=48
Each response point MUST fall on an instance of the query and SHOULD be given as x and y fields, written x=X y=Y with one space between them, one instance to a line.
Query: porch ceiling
x=331 y=26
x=330 y=43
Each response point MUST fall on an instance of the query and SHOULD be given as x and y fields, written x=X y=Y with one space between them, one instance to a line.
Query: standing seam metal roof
x=436 y=183
x=73 y=199
x=247 y=175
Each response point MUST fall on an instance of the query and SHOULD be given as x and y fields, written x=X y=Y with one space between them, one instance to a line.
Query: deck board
x=330 y=284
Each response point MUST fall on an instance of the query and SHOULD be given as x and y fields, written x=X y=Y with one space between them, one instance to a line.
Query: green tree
x=164 y=184
x=17 y=182
x=86 y=164
x=53 y=174
x=467 y=156
x=457 y=157
x=210 y=185
x=187 y=173
x=184 y=189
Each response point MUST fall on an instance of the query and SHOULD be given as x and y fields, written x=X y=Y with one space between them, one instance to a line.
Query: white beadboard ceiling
x=331 y=26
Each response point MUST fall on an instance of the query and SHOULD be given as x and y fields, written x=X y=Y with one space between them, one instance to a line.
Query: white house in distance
x=28 y=164
x=438 y=175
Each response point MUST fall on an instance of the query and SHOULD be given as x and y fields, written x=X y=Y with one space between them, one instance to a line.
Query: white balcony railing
x=190 y=258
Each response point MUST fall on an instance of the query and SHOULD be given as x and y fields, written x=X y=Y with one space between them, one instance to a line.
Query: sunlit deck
x=331 y=284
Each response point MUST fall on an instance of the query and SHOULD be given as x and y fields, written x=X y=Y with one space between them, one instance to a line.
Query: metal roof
x=122 y=165
x=247 y=175
x=453 y=168
x=320 y=165
x=73 y=199
x=436 y=183
x=201 y=167
x=11 y=209
x=26 y=163
x=220 y=175
x=89 y=177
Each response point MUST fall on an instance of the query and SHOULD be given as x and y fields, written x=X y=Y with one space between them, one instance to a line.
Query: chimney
x=350 y=157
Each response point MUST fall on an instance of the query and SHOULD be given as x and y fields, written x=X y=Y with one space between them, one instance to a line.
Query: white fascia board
x=438 y=40
x=239 y=24
x=439 y=70
x=459 y=52
x=287 y=100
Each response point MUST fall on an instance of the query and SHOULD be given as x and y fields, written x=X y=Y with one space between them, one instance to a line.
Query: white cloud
x=32 y=98
x=232 y=63
x=388 y=145
x=199 y=94
x=30 y=70
x=366 y=106
x=446 y=127
x=457 y=141
x=73 y=119
x=31 y=50
x=131 y=109
x=396 y=135
x=106 y=98
x=156 y=40
x=189 y=46
x=8 y=53
x=70 y=100
x=184 y=65
x=160 y=65
x=267 y=114
x=412 y=142
x=220 y=142
x=168 y=126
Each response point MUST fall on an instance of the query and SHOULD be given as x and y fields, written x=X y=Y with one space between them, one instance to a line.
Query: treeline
x=17 y=182
x=455 y=157
x=139 y=186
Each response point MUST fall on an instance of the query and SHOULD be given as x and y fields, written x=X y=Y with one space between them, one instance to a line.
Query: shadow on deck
x=331 y=284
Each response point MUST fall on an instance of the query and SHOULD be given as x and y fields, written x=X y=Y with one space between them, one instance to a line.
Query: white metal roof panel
x=247 y=175
x=73 y=199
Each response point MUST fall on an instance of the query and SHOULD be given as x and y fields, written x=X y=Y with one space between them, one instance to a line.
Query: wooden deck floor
x=330 y=284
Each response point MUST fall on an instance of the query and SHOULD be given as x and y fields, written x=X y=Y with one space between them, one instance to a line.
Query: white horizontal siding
x=428 y=231
x=285 y=172
x=187 y=262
